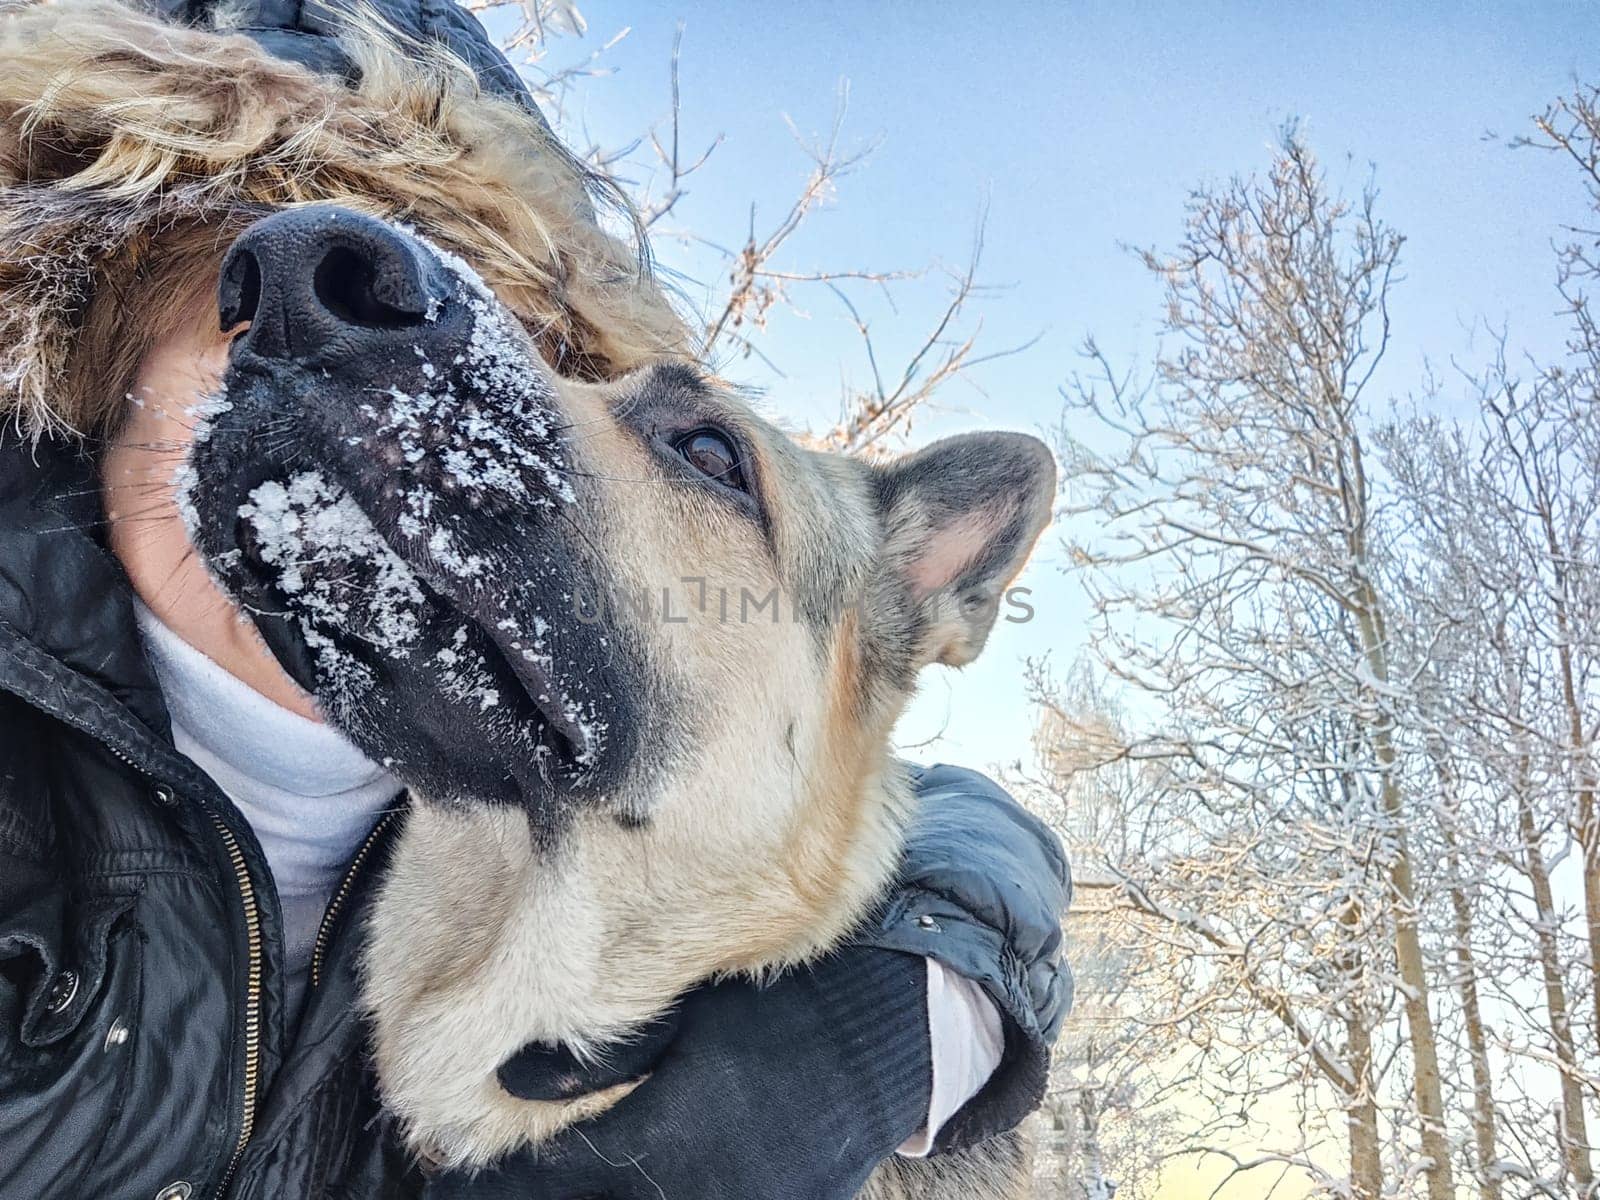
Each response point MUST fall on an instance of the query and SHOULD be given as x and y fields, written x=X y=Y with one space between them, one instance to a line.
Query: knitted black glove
x=794 y=1091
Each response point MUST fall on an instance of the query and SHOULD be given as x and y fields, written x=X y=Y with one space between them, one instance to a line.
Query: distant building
x=1089 y=1078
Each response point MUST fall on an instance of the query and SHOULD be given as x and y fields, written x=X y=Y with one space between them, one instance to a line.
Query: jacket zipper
x=252 y=1011
x=252 y=1015
x=331 y=915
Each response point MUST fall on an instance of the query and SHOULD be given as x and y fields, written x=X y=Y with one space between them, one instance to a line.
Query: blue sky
x=1082 y=127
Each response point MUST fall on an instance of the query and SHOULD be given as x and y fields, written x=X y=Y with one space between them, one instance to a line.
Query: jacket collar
x=62 y=593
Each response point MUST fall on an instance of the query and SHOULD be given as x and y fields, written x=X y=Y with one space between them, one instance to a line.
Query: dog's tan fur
x=767 y=841
x=528 y=950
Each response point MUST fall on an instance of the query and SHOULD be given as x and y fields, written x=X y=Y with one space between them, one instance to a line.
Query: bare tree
x=1364 y=649
x=1571 y=127
x=1240 y=523
x=1482 y=506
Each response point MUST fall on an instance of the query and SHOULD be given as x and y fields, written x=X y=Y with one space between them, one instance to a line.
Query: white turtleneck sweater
x=311 y=797
x=309 y=794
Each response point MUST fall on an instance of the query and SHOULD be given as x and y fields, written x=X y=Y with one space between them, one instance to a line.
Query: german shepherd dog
x=636 y=653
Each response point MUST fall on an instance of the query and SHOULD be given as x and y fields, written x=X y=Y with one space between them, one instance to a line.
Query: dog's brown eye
x=713 y=455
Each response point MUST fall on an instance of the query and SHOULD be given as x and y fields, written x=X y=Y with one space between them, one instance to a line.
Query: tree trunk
x=1586 y=820
x=1483 y=1123
x=1572 y=1128
x=1361 y=1108
x=1589 y=838
x=1572 y=1133
x=1419 y=1021
x=1095 y=1186
x=1483 y=1115
x=1052 y=1141
x=1361 y=1117
x=1428 y=1091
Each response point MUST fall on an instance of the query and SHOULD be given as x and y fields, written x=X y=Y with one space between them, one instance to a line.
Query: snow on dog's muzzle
x=384 y=485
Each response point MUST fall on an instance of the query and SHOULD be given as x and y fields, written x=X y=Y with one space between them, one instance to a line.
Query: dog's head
x=634 y=615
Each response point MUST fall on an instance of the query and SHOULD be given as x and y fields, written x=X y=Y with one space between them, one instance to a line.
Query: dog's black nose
x=324 y=282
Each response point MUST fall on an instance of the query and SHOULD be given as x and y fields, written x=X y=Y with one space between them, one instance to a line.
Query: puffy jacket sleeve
x=982 y=890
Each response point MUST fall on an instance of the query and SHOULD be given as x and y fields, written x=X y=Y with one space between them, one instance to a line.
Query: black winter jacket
x=144 y=1048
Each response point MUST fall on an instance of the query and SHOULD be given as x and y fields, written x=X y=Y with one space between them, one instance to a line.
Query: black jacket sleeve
x=982 y=890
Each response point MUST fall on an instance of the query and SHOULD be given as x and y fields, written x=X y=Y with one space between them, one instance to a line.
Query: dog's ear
x=960 y=518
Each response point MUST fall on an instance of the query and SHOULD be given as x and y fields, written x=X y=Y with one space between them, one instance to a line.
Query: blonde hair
x=133 y=151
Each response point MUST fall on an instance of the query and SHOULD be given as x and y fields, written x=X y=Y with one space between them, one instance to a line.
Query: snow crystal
x=580 y=715
x=342 y=675
x=466 y=674
x=442 y=545
x=359 y=584
x=186 y=479
x=204 y=414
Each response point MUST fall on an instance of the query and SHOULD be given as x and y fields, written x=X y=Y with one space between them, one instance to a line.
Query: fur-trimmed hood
x=127 y=143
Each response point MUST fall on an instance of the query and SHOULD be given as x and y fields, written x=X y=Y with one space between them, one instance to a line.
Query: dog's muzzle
x=386 y=487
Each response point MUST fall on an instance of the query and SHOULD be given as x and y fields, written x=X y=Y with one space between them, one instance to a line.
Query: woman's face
x=147 y=532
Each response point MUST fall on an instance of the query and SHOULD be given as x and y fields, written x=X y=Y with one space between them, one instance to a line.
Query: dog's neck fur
x=481 y=943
